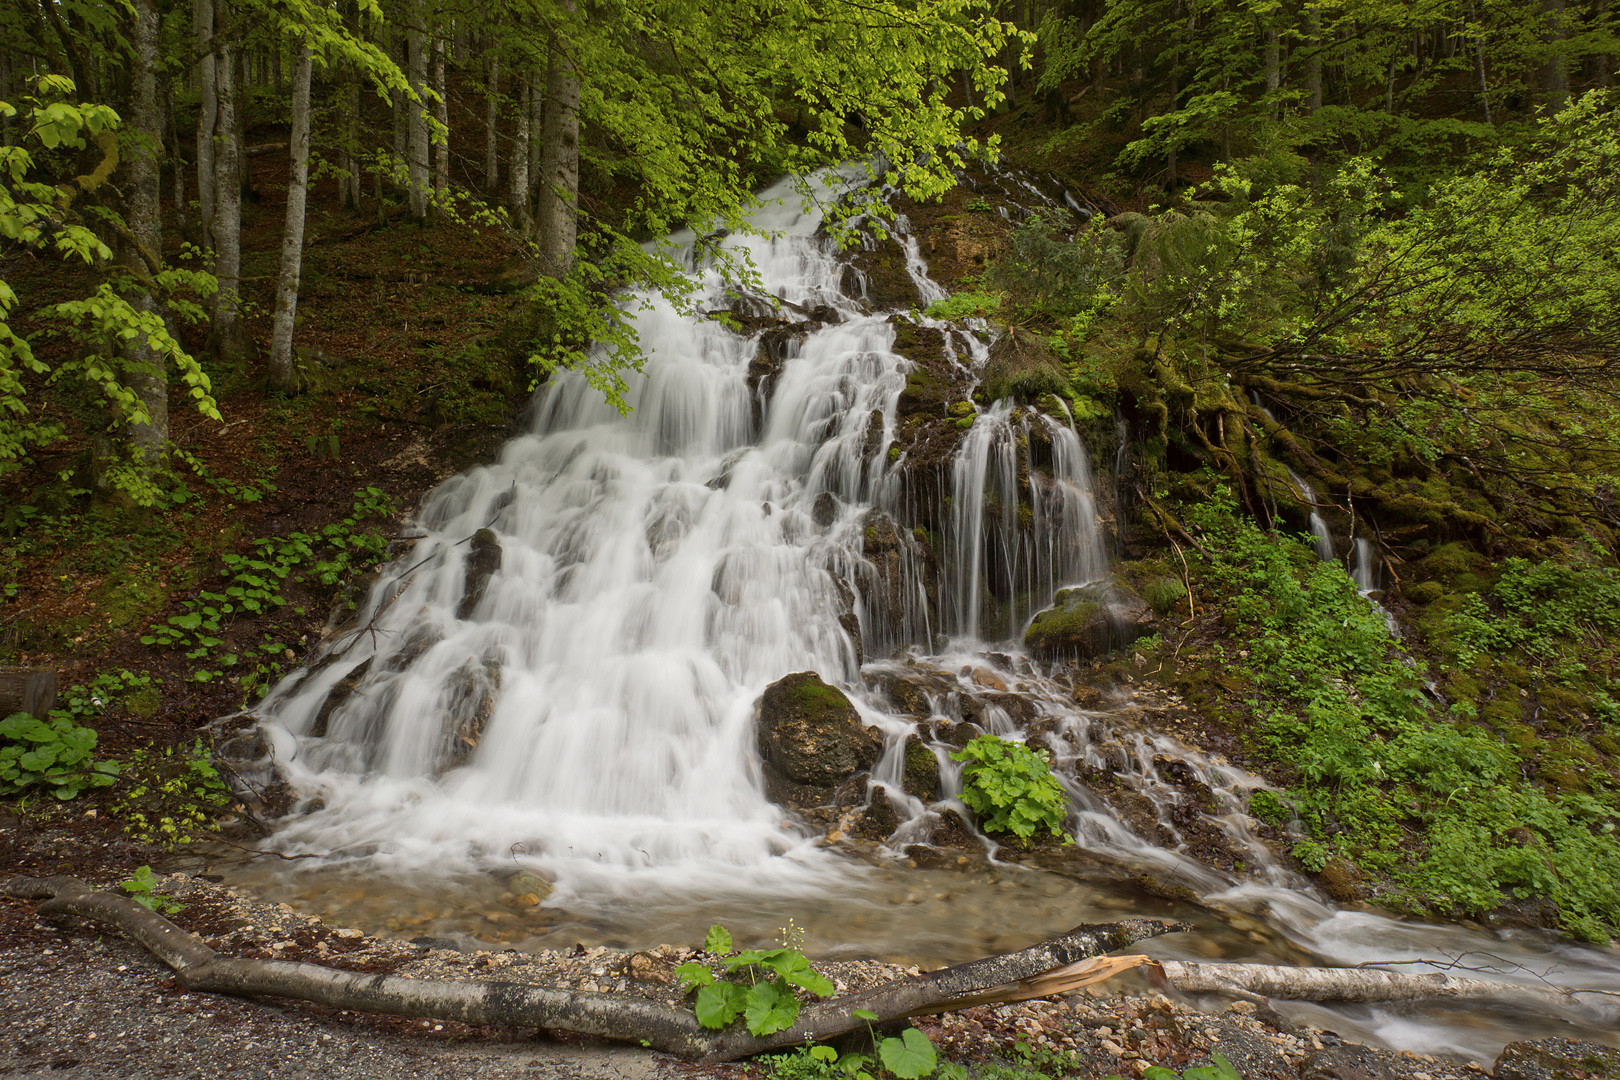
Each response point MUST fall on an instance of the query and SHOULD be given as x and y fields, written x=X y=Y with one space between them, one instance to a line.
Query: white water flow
x=588 y=716
x=1320 y=536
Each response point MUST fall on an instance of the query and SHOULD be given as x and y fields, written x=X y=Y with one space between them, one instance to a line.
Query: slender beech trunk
x=182 y=211
x=1599 y=66
x=349 y=153
x=202 y=18
x=417 y=149
x=441 y=133
x=141 y=251
x=517 y=189
x=556 y=225
x=492 y=123
x=1553 y=75
x=1479 y=61
x=401 y=100
x=1272 y=53
x=537 y=124
x=226 y=341
x=292 y=236
x=1313 y=62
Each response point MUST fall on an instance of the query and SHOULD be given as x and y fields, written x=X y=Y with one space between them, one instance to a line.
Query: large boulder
x=1088 y=621
x=810 y=734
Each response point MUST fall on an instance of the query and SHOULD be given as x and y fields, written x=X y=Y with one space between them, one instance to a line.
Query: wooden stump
x=29 y=690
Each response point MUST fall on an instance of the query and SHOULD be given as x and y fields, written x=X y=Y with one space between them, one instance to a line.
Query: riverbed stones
x=1557 y=1059
x=810 y=735
x=339 y=694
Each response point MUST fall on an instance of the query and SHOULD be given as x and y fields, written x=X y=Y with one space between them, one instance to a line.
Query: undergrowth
x=1430 y=804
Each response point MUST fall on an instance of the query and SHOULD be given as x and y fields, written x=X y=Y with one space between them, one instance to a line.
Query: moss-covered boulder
x=810 y=734
x=1088 y=621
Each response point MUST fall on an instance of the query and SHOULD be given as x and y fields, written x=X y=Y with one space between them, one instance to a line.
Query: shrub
x=1011 y=788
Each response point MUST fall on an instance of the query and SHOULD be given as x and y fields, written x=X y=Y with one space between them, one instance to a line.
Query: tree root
x=1052 y=967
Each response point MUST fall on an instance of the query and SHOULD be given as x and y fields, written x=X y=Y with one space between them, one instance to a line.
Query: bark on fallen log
x=1359 y=984
x=1052 y=966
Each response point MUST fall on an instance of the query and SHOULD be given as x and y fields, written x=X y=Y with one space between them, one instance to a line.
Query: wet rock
x=1181 y=774
x=482 y=563
x=1557 y=1059
x=851 y=624
x=928 y=386
x=879 y=820
x=878 y=276
x=873 y=441
x=988 y=679
x=527 y=883
x=910 y=694
x=416 y=644
x=809 y=733
x=1088 y=621
x=921 y=774
x=949 y=830
x=824 y=511
x=471 y=693
x=339 y=694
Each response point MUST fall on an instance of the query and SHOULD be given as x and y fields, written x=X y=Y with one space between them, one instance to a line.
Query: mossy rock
x=1567 y=779
x=1464 y=687
x=1342 y=880
x=1089 y=621
x=1606 y=744
x=1517 y=674
x=811 y=734
x=921 y=771
x=1164 y=594
x=1424 y=592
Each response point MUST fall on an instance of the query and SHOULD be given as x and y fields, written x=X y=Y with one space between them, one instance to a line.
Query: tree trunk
x=202 y=17
x=1479 y=60
x=556 y=226
x=1313 y=62
x=401 y=102
x=1051 y=967
x=517 y=189
x=182 y=209
x=492 y=123
x=441 y=133
x=141 y=251
x=417 y=149
x=349 y=152
x=1553 y=75
x=226 y=340
x=292 y=237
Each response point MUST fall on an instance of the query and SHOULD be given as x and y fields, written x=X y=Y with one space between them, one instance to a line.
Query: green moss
x=1522 y=738
x=962 y=408
x=1464 y=687
x=1060 y=623
x=1501 y=713
x=1164 y=594
x=966 y=422
x=1424 y=592
x=143 y=703
x=1449 y=560
x=813 y=697
x=1606 y=744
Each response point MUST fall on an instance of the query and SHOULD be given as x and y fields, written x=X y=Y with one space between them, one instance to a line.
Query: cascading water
x=561 y=676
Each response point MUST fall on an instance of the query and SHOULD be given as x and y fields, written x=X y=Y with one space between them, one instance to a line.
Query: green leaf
x=694 y=974
x=718 y=940
x=719 y=1003
x=770 y=1008
x=865 y=1014
x=909 y=1057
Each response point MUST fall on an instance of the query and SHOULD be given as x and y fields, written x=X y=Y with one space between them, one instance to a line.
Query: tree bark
x=492 y=123
x=1054 y=966
x=1359 y=984
x=556 y=226
x=292 y=236
x=349 y=154
x=226 y=339
x=142 y=249
x=202 y=17
x=1553 y=75
x=417 y=149
x=441 y=133
x=517 y=175
x=1313 y=62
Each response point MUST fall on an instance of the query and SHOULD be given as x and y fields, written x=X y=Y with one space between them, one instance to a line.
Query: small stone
x=1242 y=1008
x=1113 y=1047
x=351 y=933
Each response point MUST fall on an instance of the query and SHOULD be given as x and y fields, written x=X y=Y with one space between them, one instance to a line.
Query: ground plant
x=1011 y=788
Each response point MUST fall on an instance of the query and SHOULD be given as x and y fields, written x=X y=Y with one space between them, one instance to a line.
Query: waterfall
x=1320 y=536
x=560 y=676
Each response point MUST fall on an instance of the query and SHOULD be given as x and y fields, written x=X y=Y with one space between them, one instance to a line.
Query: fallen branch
x=1357 y=984
x=1050 y=967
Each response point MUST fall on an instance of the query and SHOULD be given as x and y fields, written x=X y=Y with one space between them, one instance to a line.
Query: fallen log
x=1053 y=966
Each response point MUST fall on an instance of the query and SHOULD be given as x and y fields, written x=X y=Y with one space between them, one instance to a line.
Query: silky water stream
x=587 y=714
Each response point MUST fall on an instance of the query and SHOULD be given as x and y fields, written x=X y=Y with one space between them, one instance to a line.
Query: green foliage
x=1559 y=618
x=140 y=885
x=909 y=1056
x=172 y=796
x=48 y=218
x=1011 y=788
x=252 y=586
x=55 y=755
x=1385 y=779
x=767 y=1002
